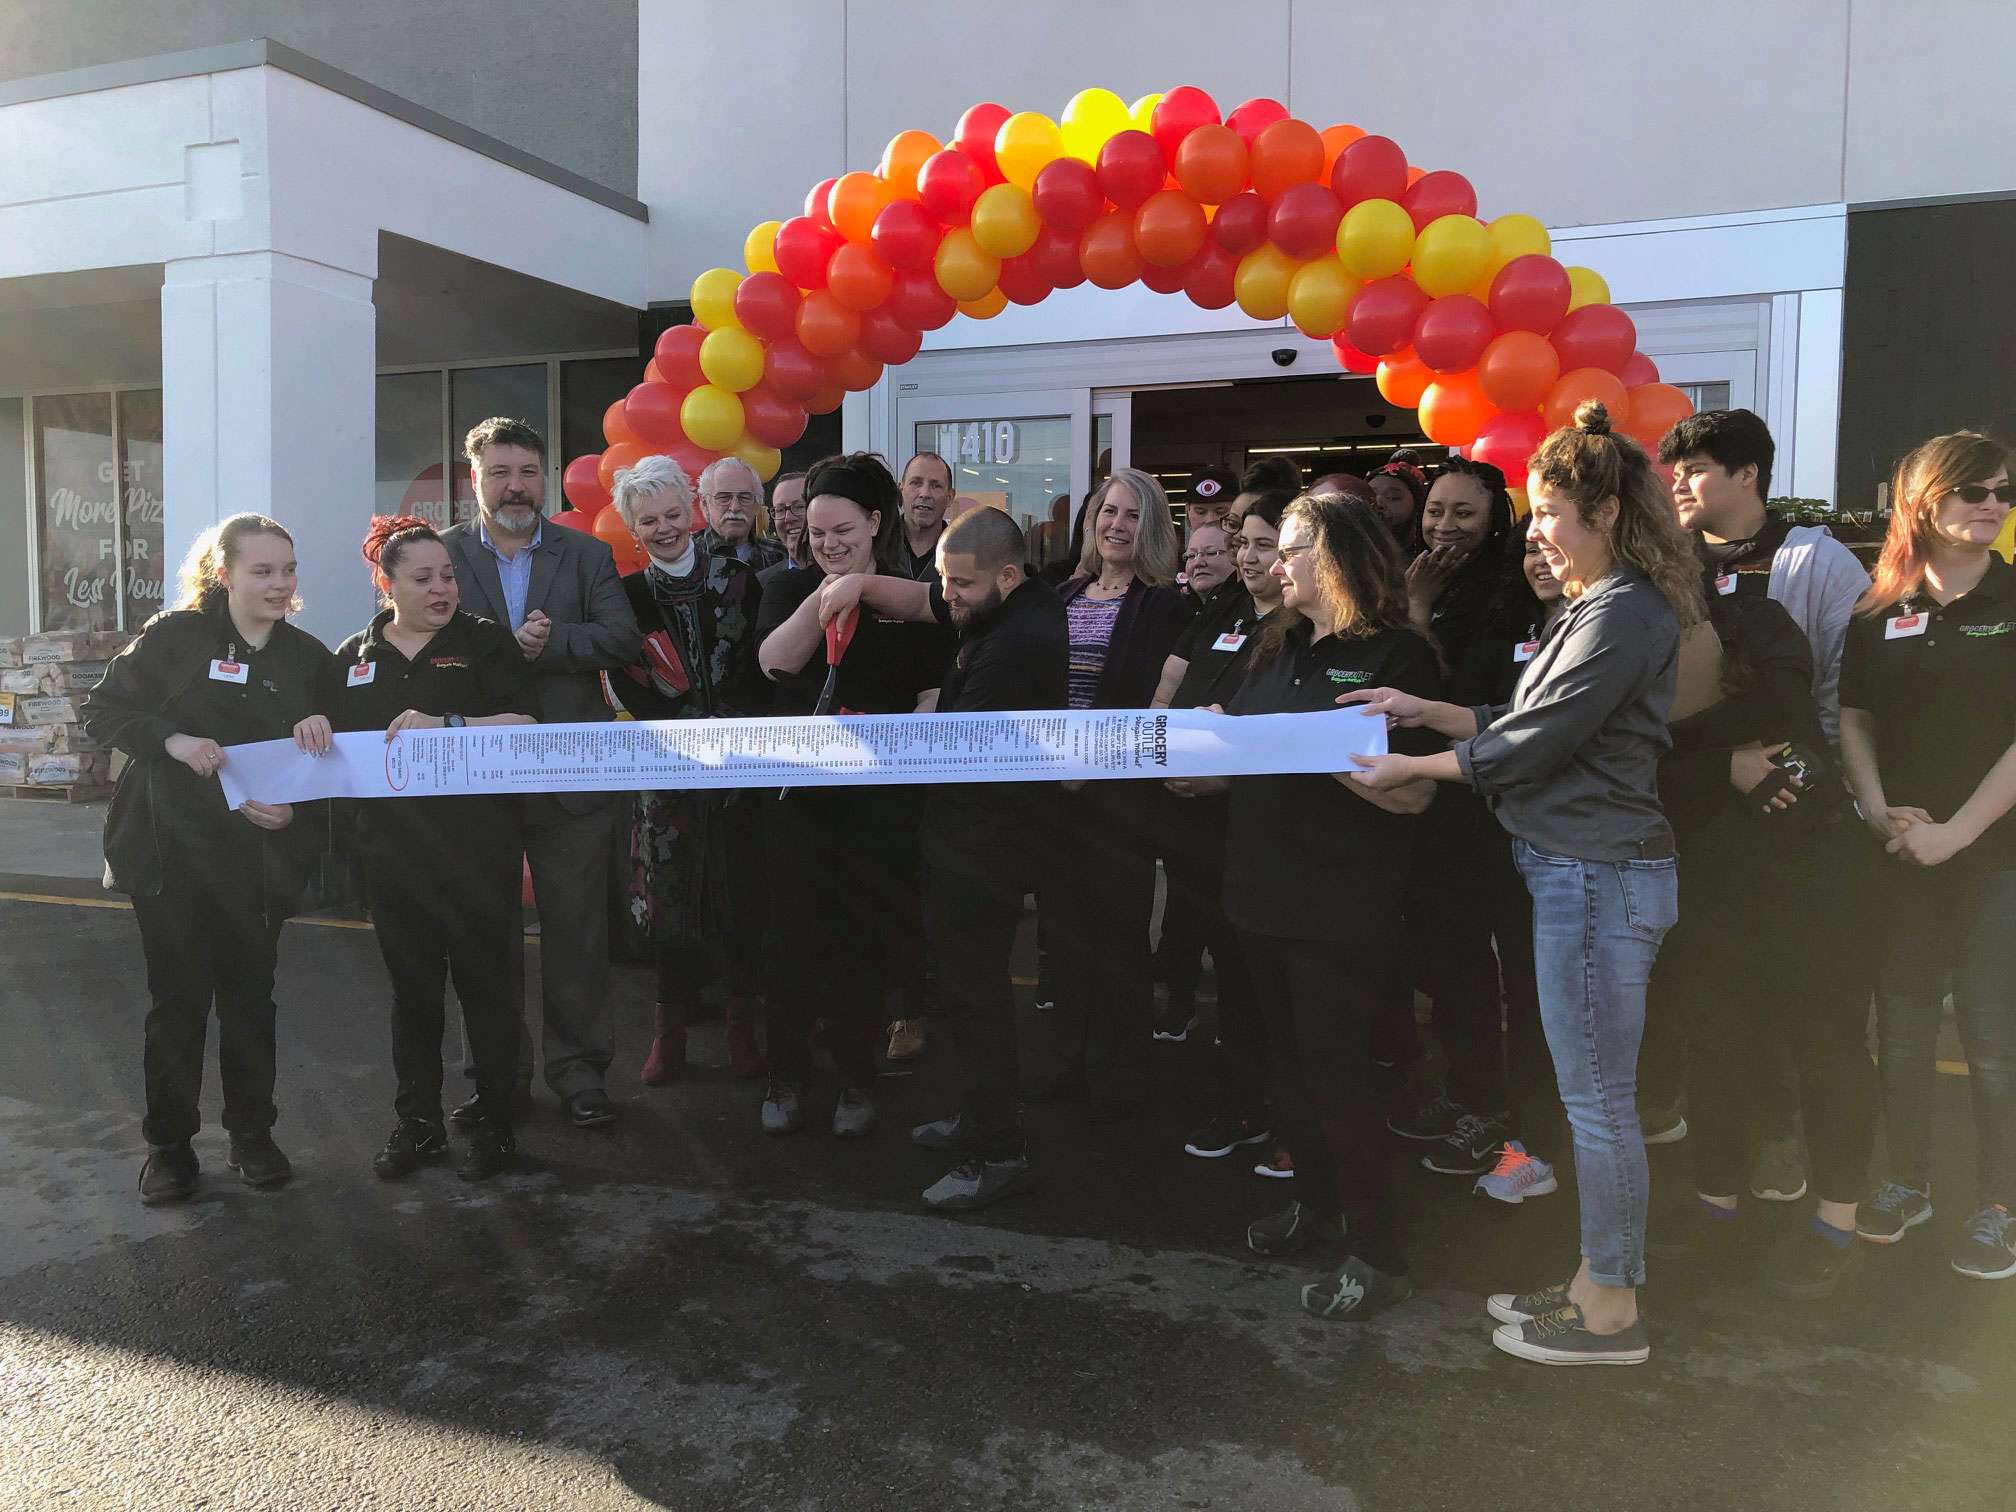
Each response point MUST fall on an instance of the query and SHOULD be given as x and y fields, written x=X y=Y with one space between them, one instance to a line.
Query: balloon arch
x=1472 y=322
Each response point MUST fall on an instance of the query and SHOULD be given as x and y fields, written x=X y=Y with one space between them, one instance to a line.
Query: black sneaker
x=468 y=1114
x=1173 y=1024
x=1437 y=1118
x=1809 y=1267
x=1524 y=1307
x=1561 y=1338
x=1893 y=1211
x=258 y=1160
x=978 y=1183
x=587 y=1109
x=1471 y=1148
x=1988 y=1248
x=414 y=1142
x=1661 y=1126
x=169 y=1176
x=954 y=1133
x=490 y=1148
x=1224 y=1134
x=1293 y=1228
x=1357 y=1293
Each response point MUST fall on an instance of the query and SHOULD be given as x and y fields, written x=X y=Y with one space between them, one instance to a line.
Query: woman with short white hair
x=697 y=856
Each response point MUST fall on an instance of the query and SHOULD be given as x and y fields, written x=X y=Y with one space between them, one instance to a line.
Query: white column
x=269 y=406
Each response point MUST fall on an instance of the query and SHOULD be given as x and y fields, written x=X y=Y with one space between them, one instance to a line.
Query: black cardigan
x=1144 y=633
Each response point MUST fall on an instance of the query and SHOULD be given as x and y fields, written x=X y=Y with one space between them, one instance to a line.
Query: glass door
x=1030 y=454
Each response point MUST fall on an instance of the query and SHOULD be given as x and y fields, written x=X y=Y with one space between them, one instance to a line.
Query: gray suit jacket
x=574 y=583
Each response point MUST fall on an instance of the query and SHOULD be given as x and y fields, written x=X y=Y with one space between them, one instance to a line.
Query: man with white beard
x=731 y=494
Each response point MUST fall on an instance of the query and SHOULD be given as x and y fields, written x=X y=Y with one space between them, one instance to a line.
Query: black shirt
x=1743 y=568
x=886 y=666
x=1282 y=824
x=1216 y=645
x=923 y=569
x=1940 y=686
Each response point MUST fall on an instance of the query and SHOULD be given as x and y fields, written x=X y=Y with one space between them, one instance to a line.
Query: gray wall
x=558 y=81
x=15 y=556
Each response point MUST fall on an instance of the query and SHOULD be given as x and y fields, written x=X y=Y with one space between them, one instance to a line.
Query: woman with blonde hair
x=210 y=885
x=1570 y=767
x=1928 y=737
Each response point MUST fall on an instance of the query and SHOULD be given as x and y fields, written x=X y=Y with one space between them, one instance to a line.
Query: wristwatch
x=454 y=721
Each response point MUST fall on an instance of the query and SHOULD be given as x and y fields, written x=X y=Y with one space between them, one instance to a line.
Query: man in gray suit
x=558 y=592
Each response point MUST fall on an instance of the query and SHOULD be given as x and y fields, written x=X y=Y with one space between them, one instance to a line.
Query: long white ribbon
x=840 y=750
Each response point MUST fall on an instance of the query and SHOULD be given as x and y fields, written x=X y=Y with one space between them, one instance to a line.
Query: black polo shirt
x=1743 y=568
x=1216 y=644
x=1301 y=848
x=472 y=667
x=887 y=665
x=1940 y=686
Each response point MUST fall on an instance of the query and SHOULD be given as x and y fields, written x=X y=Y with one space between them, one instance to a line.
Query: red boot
x=739 y=1033
x=668 y=1044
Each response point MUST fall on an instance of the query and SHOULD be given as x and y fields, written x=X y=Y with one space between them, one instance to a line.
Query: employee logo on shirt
x=1726 y=584
x=227 y=671
x=449 y=661
x=361 y=673
x=2002 y=629
x=1523 y=652
x=1347 y=675
x=1904 y=624
x=1231 y=640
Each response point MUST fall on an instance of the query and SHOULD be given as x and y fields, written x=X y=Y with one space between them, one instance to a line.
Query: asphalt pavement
x=681 y=1312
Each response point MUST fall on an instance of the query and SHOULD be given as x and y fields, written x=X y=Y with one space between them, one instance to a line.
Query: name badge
x=362 y=673
x=1229 y=641
x=1726 y=584
x=1903 y=625
x=223 y=671
x=1523 y=652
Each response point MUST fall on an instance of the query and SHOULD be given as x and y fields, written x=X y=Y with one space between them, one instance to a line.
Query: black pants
x=210 y=937
x=434 y=924
x=1321 y=1001
x=1193 y=864
x=1098 y=907
x=906 y=951
x=972 y=922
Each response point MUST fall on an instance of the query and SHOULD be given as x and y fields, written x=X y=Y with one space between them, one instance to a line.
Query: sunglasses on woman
x=1977 y=493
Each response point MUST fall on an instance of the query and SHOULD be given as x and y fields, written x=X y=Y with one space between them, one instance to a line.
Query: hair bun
x=1406 y=455
x=1592 y=417
x=385 y=527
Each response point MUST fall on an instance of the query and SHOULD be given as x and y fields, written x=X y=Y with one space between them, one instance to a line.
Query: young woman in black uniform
x=837 y=855
x=441 y=875
x=210 y=887
x=1315 y=870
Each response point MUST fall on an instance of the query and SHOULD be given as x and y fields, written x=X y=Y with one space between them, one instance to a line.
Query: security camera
x=1284 y=356
x=1375 y=421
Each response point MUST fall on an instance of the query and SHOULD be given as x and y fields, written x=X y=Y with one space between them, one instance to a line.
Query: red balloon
x=575 y=519
x=884 y=337
x=826 y=400
x=770 y=419
x=1434 y=195
x=1452 y=332
x=1303 y=222
x=651 y=410
x=1021 y=282
x=1131 y=167
x=1351 y=359
x=815 y=204
x=693 y=461
x=1506 y=440
x=1067 y=195
x=1530 y=293
x=582 y=483
x=1373 y=167
x=1164 y=280
x=1208 y=276
x=1178 y=113
x=949 y=183
x=802 y=249
x=1638 y=372
x=1383 y=315
x=1255 y=116
x=1055 y=257
x=855 y=371
x=858 y=277
x=1241 y=224
x=904 y=234
x=767 y=305
x=917 y=301
x=1597 y=335
x=792 y=372
x=678 y=356
x=974 y=136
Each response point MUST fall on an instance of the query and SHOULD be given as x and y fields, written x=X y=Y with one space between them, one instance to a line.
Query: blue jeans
x=1949 y=929
x=1596 y=931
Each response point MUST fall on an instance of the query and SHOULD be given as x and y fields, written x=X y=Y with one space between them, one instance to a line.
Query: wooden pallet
x=68 y=792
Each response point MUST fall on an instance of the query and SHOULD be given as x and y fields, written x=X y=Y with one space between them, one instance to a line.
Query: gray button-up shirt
x=1571 y=765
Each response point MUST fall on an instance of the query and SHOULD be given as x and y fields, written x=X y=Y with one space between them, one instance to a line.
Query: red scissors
x=839 y=636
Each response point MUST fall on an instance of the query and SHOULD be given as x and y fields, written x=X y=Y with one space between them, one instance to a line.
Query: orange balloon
x=1211 y=163
x=825 y=325
x=1518 y=370
x=854 y=371
x=1454 y=408
x=826 y=400
x=1404 y=378
x=903 y=158
x=1415 y=175
x=617 y=429
x=1107 y=251
x=1335 y=140
x=1169 y=228
x=610 y=527
x=986 y=307
x=857 y=276
x=1571 y=389
x=1285 y=153
x=1655 y=409
x=651 y=373
x=854 y=202
x=623 y=454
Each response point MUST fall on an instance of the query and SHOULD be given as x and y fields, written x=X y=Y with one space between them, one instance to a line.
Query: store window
x=1706 y=396
x=99 y=534
x=1021 y=466
x=476 y=394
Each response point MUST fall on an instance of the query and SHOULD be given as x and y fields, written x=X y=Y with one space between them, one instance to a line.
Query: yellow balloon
x=1026 y=143
x=714 y=298
x=1320 y=295
x=1261 y=282
x=986 y=307
x=711 y=418
x=1520 y=508
x=759 y=248
x=764 y=459
x=1375 y=238
x=1451 y=254
x=965 y=269
x=1141 y=114
x=732 y=359
x=1517 y=236
x=1092 y=116
x=2005 y=540
x=1586 y=286
x=1005 y=223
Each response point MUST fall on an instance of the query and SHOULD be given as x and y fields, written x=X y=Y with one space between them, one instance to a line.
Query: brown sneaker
x=906 y=1039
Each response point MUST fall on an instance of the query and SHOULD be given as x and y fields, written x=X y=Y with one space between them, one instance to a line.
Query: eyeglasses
x=1977 y=493
x=746 y=500
x=1289 y=553
x=788 y=508
x=1203 y=553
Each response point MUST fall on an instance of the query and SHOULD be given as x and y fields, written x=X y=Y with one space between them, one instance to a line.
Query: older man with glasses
x=733 y=495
